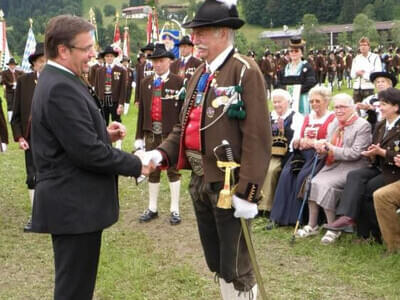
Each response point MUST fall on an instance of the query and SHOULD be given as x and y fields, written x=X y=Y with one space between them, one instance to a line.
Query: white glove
x=133 y=84
x=244 y=208
x=139 y=144
x=154 y=155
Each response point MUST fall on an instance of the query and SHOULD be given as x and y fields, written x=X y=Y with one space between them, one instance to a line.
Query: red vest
x=156 y=104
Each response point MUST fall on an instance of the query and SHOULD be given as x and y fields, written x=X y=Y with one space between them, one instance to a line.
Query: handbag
x=297 y=162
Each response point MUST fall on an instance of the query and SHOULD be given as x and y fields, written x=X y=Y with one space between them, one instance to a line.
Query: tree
x=98 y=15
x=344 y=39
x=395 y=32
x=136 y=2
x=369 y=11
x=313 y=37
x=109 y=10
x=362 y=26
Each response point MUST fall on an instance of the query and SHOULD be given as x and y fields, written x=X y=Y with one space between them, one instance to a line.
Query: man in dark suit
x=9 y=80
x=76 y=186
x=187 y=63
x=110 y=85
x=159 y=107
x=21 y=119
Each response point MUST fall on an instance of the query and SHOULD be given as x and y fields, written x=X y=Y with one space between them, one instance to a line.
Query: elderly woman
x=286 y=125
x=314 y=129
x=369 y=107
x=297 y=77
x=361 y=183
x=348 y=136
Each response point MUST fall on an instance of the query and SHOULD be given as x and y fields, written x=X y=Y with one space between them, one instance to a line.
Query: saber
x=245 y=227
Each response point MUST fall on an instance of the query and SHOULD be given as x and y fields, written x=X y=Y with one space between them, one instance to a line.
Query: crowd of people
x=193 y=113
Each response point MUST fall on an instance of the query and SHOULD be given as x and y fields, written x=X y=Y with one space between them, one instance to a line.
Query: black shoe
x=28 y=226
x=148 y=215
x=175 y=219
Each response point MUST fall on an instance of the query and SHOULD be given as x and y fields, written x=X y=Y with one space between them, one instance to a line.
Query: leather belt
x=195 y=161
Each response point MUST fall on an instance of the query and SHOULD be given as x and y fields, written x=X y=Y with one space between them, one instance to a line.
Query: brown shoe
x=344 y=223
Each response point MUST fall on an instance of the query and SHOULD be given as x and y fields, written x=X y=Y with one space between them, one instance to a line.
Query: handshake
x=150 y=159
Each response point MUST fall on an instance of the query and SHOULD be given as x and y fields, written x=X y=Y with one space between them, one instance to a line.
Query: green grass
x=159 y=261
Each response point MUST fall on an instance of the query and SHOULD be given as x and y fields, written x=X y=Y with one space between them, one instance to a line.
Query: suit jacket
x=77 y=168
x=250 y=138
x=21 y=119
x=391 y=143
x=190 y=66
x=118 y=83
x=7 y=79
x=171 y=107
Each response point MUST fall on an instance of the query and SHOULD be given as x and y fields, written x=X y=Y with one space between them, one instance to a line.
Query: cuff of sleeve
x=250 y=194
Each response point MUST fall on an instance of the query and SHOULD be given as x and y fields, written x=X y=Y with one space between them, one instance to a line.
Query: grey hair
x=323 y=91
x=282 y=93
x=345 y=97
x=230 y=31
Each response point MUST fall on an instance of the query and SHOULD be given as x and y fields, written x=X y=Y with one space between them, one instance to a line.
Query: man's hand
x=147 y=169
x=23 y=144
x=120 y=109
x=244 y=208
x=360 y=73
x=397 y=160
x=154 y=156
x=116 y=131
x=373 y=151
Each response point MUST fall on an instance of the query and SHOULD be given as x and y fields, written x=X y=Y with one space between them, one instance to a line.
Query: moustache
x=201 y=47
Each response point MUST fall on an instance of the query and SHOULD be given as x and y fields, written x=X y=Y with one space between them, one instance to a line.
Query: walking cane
x=222 y=203
x=307 y=189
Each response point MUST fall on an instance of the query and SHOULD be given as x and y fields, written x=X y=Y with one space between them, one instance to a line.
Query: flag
x=30 y=47
x=152 y=27
x=5 y=52
x=126 y=45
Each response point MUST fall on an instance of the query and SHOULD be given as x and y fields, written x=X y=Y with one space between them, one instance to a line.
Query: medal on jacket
x=397 y=148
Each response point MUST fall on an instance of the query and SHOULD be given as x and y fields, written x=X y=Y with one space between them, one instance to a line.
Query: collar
x=275 y=116
x=219 y=60
x=109 y=65
x=163 y=76
x=58 y=66
x=389 y=126
x=186 y=58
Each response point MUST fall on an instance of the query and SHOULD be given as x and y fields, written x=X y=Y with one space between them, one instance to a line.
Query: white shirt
x=163 y=76
x=369 y=64
x=389 y=126
x=185 y=59
x=219 y=60
x=57 y=65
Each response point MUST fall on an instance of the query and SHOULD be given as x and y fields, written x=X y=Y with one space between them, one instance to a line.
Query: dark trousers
x=30 y=169
x=111 y=110
x=359 y=95
x=359 y=187
x=221 y=235
x=76 y=257
x=10 y=100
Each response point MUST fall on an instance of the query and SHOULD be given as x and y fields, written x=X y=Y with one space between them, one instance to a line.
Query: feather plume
x=228 y=3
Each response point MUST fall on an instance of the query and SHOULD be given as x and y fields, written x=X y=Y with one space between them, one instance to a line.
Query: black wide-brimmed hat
x=297 y=42
x=11 y=61
x=149 y=46
x=218 y=13
x=160 y=51
x=39 y=51
x=185 y=41
x=390 y=76
x=109 y=50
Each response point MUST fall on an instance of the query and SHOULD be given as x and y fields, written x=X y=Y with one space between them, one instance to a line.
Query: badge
x=210 y=112
x=397 y=148
x=149 y=86
x=222 y=100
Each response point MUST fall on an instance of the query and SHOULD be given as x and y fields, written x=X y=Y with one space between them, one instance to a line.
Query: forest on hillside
x=273 y=13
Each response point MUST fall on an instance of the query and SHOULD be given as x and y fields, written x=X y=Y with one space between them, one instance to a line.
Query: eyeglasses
x=340 y=107
x=83 y=49
x=294 y=50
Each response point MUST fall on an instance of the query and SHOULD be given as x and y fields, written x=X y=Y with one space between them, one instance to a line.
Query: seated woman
x=387 y=206
x=285 y=125
x=286 y=204
x=361 y=183
x=348 y=136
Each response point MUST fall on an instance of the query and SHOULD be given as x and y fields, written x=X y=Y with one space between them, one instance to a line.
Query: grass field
x=158 y=261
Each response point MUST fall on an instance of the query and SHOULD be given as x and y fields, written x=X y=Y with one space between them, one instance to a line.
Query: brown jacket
x=171 y=106
x=140 y=74
x=92 y=74
x=118 y=84
x=390 y=143
x=21 y=119
x=250 y=138
x=7 y=79
x=190 y=66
